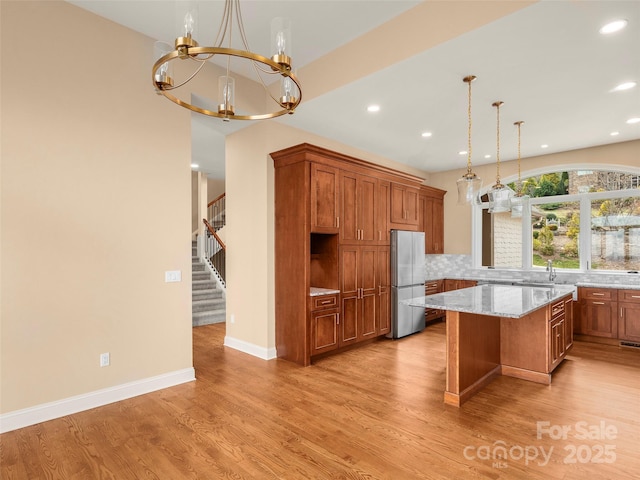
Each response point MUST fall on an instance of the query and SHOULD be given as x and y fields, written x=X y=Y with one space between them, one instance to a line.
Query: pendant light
x=499 y=195
x=469 y=184
x=517 y=201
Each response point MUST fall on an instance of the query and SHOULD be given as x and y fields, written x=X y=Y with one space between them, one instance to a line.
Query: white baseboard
x=67 y=406
x=250 y=348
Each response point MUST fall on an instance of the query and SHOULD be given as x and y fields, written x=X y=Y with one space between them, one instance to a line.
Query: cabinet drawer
x=431 y=288
x=557 y=309
x=598 y=293
x=324 y=301
x=632 y=296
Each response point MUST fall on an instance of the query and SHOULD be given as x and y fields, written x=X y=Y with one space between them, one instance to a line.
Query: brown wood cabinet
x=404 y=204
x=431 y=218
x=599 y=310
x=383 y=273
x=325 y=217
x=629 y=320
x=358 y=208
x=332 y=219
x=325 y=320
x=557 y=334
x=533 y=346
x=359 y=289
x=569 y=316
x=453 y=284
x=430 y=288
x=383 y=212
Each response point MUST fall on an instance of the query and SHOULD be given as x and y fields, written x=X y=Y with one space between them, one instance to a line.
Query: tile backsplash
x=460 y=267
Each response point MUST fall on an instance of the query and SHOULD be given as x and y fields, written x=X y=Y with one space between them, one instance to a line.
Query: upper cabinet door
x=367 y=203
x=382 y=212
x=404 y=204
x=358 y=209
x=324 y=199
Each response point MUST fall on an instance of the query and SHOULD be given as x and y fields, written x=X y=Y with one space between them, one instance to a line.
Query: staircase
x=207 y=302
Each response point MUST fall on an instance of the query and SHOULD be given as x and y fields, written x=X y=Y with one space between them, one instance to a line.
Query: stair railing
x=214 y=251
x=216 y=210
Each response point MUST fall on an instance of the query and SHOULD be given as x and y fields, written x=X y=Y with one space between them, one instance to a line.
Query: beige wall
x=457 y=219
x=215 y=188
x=95 y=208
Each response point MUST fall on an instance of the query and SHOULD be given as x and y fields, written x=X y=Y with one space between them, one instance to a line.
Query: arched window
x=579 y=219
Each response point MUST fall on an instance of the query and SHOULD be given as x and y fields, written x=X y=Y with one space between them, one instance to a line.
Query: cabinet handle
x=635 y=296
x=620 y=312
x=379 y=234
x=598 y=294
x=337 y=319
x=598 y=303
x=325 y=302
x=337 y=222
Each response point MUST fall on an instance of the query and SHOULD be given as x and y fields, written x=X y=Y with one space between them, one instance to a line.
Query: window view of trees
x=555 y=226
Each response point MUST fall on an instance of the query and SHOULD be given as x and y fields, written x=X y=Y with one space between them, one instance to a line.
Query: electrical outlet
x=104 y=359
x=233 y=318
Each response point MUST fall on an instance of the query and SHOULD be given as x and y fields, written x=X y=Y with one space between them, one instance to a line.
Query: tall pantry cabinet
x=333 y=215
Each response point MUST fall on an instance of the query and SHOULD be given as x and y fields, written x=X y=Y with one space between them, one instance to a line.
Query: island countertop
x=511 y=301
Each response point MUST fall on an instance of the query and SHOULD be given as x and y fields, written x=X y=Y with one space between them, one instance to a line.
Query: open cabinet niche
x=324 y=260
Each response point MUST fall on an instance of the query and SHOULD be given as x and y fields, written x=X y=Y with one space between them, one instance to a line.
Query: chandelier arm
x=222 y=29
x=243 y=35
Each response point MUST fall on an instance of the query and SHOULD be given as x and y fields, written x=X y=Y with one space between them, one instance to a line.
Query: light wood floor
x=371 y=413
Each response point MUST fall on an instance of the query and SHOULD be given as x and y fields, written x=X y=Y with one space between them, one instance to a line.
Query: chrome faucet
x=552 y=272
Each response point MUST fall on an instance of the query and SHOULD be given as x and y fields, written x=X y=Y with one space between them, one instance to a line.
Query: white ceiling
x=547 y=63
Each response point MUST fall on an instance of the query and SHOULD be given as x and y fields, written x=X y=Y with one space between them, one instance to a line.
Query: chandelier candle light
x=469 y=184
x=517 y=201
x=499 y=195
x=187 y=49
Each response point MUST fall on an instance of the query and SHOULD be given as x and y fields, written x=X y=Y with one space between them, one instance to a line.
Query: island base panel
x=524 y=374
x=473 y=354
x=457 y=399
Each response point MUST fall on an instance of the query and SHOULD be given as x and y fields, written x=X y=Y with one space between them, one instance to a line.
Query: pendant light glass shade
x=469 y=189
x=499 y=195
x=469 y=184
x=500 y=199
x=519 y=199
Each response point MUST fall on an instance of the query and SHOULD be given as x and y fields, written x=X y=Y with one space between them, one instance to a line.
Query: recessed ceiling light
x=633 y=120
x=463 y=152
x=373 y=108
x=426 y=134
x=612 y=27
x=624 y=86
x=194 y=165
x=544 y=146
x=487 y=156
x=613 y=134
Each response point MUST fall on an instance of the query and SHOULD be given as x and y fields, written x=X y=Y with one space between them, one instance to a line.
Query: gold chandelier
x=186 y=49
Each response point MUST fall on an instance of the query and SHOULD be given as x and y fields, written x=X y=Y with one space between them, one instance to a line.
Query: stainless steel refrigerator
x=407 y=281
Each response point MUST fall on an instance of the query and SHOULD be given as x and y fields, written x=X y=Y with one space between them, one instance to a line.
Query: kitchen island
x=492 y=330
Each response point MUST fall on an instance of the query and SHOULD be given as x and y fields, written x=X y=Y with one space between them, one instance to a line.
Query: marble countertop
x=317 y=291
x=623 y=286
x=512 y=301
x=630 y=283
